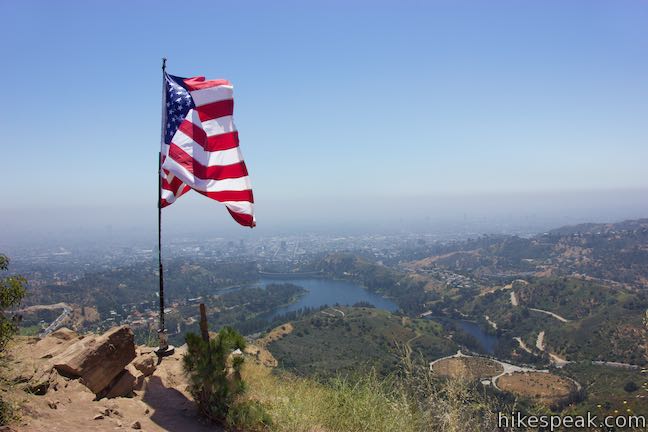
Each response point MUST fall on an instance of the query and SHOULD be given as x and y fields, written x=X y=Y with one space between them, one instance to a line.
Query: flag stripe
x=219 y=125
x=243 y=219
x=197 y=83
x=214 y=172
x=221 y=157
x=212 y=94
x=222 y=196
x=206 y=185
x=224 y=141
x=216 y=109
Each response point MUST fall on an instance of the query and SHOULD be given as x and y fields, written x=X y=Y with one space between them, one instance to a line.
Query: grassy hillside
x=345 y=340
x=413 y=402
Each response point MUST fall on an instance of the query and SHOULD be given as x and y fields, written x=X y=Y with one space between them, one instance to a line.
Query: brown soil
x=276 y=334
x=163 y=404
x=471 y=368
x=544 y=387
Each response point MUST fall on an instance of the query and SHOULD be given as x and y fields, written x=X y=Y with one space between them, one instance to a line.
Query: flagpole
x=164 y=349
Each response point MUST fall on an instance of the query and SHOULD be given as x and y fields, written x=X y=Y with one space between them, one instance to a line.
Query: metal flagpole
x=164 y=349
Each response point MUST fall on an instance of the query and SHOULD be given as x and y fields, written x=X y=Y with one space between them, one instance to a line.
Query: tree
x=631 y=387
x=214 y=372
x=12 y=291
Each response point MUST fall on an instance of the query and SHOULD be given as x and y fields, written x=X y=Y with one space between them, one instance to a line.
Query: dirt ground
x=163 y=404
x=543 y=387
x=471 y=368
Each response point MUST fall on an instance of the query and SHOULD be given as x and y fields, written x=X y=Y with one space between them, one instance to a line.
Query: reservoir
x=327 y=292
x=485 y=340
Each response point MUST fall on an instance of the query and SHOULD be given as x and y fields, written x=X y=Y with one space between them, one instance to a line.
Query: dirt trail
x=558 y=317
x=540 y=341
x=523 y=345
x=514 y=300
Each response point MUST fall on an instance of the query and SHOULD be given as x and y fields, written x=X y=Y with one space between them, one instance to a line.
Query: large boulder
x=97 y=360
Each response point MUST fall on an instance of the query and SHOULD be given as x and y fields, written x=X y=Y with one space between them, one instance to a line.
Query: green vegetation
x=605 y=388
x=413 y=400
x=348 y=340
x=12 y=291
x=245 y=309
x=215 y=380
x=137 y=284
x=605 y=322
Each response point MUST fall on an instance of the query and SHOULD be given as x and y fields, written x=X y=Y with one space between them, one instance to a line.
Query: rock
x=98 y=417
x=52 y=404
x=146 y=363
x=129 y=379
x=64 y=333
x=97 y=360
x=136 y=425
x=55 y=343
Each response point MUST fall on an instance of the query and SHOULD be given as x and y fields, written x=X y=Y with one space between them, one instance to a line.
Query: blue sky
x=367 y=104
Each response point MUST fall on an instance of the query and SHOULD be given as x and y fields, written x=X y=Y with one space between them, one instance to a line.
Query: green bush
x=12 y=291
x=215 y=381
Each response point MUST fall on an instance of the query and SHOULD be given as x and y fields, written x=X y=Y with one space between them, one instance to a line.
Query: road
x=558 y=317
x=67 y=310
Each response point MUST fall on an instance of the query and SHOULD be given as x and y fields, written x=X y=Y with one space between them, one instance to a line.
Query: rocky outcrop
x=98 y=360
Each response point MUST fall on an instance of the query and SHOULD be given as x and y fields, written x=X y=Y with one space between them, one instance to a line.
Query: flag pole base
x=164 y=349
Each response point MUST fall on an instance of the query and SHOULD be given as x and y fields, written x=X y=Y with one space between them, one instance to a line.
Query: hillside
x=356 y=340
x=159 y=401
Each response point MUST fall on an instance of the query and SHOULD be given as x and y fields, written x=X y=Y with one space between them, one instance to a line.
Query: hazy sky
x=347 y=111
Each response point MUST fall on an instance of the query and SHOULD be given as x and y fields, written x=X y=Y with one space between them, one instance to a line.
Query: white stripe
x=212 y=94
x=165 y=149
x=235 y=184
x=220 y=157
x=245 y=207
x=218 y=126
x=168 y=195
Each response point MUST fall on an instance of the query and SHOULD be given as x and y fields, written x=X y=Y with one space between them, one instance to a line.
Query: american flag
x=200 y=148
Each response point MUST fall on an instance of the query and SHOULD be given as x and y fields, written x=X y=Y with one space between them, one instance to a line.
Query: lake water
x=322 y=291
x=486 y=340
x=328 y=292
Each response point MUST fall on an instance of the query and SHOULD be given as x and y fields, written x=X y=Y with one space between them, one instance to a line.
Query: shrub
x=214 y=373
x=631 y=387
x=12 y=291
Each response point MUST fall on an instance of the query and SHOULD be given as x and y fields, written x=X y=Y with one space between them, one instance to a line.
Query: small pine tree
x=214 y=374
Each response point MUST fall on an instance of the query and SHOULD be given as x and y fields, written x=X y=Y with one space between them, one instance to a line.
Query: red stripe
x=224 y=141
x=244 y=195
x=243 y=218
x=194 y=132
x=173 y=186
x=216 y=109
x=216 y=172
x=197 y=83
